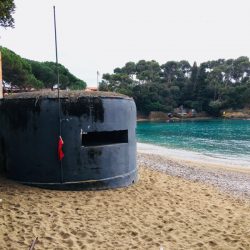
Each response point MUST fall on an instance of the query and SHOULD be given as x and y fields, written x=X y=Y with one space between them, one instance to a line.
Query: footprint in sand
x=48 y=238
x=133 y=233
x=83 y=234
x=212 y=243
x=145 y=237
x=64 y=235
x=199 y=244
x=70 y=243
x=90 y=241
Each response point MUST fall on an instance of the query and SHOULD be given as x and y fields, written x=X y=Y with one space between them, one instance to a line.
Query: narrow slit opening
x=104 y=138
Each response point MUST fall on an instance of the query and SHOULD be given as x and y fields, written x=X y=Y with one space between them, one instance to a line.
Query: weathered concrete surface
x=29 y=132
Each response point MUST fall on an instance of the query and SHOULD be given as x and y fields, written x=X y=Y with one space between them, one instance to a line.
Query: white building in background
x=88 y=89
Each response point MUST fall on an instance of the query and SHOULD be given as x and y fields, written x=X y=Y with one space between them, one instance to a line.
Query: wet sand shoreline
x=195 y=158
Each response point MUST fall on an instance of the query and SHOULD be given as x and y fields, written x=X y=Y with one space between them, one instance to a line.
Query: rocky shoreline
x=232 y=182
x=227 y=114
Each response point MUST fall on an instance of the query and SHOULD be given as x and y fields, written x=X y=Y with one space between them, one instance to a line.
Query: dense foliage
x=7 y=8
x=212 y=86
x=25 y=73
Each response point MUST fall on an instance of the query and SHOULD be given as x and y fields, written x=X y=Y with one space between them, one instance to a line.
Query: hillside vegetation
x=24 y=73
x=212 y=86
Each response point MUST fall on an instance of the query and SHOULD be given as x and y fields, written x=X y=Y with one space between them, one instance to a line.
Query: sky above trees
x=102 y=35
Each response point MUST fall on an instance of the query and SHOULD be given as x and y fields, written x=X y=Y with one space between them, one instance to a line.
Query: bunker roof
x=68 y=94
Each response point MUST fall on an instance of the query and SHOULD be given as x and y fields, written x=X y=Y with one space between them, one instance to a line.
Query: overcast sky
x=105 y=34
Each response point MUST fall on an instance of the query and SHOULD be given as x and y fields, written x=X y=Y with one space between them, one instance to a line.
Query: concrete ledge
x=112 y=182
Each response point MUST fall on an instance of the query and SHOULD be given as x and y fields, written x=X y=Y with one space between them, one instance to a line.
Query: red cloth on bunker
x=60 y=146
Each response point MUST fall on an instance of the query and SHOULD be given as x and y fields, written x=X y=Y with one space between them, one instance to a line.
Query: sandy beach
x=176 y=204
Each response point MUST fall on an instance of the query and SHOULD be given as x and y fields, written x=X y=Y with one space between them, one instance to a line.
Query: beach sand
x=161 y=210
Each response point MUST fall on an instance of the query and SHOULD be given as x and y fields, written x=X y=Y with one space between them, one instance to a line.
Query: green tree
x=194 y=75
x=27 y=73
x=17 y=71
x=47 y=73
x=211 y=87
x=7 y=8
x=170 y=71
x=148 y=71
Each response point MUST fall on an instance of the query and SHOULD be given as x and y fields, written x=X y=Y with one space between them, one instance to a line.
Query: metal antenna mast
x=57 y=69
x=58 y=91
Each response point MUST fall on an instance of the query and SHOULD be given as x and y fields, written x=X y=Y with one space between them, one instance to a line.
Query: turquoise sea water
x=225 y=139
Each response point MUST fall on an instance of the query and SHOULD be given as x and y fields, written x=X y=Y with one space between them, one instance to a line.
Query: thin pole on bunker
x=58 y=92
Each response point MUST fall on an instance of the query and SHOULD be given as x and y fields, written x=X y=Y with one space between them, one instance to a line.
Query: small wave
x=231 y=161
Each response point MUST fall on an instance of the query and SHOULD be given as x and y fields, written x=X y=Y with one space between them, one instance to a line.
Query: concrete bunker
x=98 y=130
